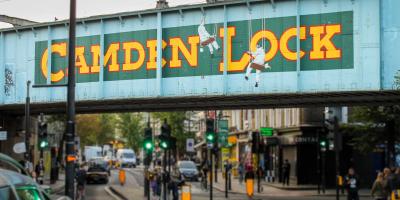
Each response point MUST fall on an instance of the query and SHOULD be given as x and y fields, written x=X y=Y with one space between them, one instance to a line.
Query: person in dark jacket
x=39 y=170
x=286 y=172
x=352 y=185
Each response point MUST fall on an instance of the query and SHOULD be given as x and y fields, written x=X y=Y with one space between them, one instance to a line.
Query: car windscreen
x=96 y=169
x=6 y=193
x=28 y=193
x=128 y=155
x=187 y=165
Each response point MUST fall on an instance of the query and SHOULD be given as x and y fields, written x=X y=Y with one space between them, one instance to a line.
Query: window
x=28 y=193
x=6 y=193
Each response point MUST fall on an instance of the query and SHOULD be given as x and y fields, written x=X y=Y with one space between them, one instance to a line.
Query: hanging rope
x=250 y=30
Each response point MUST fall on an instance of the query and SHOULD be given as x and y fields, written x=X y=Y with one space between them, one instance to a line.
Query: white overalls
x=259 y=59
x=206 y=39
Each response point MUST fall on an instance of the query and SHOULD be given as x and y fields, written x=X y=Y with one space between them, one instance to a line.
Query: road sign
x=223 y=132
x=19 y=147
x=190 y=145
x=267 y=131
x=3 y=135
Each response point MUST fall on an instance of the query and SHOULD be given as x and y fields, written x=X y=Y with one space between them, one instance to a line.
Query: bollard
x=186 y=192
x=395 y=195
x=250 y=187
x=122 y=176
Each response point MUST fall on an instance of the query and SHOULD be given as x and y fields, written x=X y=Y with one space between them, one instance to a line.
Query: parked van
x=126 y=158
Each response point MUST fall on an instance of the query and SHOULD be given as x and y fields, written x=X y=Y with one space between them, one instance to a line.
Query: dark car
x=97 y=174
x=101 y=162
x=188 y=170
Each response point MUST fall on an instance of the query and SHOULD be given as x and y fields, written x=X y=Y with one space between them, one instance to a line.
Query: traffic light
x=210 y=131
x=255 y=141
x=164 y=138
x=148 y=144
x=43 y=142
x=323 y=143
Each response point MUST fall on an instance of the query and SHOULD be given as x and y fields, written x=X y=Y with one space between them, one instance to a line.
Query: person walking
x=389 y=180
x=352 y=185
x=241 y=172
x=80 y=182
x=286 y=172
x=378 y=191
x=39 y=170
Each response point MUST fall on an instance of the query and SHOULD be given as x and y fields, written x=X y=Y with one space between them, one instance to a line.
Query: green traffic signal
x=43 y=144
x=164 y=144
x=322 y=143
x=148 y=146
x=210 y=137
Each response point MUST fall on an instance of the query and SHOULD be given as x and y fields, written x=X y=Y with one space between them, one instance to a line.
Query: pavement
x=133 y=189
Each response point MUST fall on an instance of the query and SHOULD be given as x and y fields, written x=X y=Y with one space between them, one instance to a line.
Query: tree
x=95 y=129
x=131 y=128
x=177 y=122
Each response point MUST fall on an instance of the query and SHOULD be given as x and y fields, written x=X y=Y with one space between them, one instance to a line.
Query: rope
x=250 y=31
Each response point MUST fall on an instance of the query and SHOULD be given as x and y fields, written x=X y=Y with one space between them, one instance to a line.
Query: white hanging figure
x=206 y=39
x=257 y=62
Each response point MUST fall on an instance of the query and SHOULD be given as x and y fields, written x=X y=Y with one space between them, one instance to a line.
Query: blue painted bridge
x=224 y=55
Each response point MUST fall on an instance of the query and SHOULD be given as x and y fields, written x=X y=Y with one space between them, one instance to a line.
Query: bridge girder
x=15 y=21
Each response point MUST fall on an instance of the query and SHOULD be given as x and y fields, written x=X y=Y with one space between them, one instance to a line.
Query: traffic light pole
x=337 y=155
x=211 y=175
x=27 y=124
x=70 y=129
x=165 y=176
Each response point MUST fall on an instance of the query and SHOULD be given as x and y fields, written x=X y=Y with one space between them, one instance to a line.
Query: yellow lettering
x=95 y=49
x=112 y=54
x=152 y=62
x=80 y=60
x=323 y=47
x=283 y=43
x=270 y=36
x=61 y=50
x=178 y=45
x=128 y=47
x=233 y=65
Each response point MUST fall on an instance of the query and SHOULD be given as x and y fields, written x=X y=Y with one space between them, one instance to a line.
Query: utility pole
x=211 y=174
x=27 y=124
x=337 y=153
x=70 y=129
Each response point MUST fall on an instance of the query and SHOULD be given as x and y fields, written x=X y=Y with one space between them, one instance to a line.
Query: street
x=133 y=189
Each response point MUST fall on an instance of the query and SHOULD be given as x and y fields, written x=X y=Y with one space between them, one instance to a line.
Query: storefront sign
x=267 y=131
x=222 y=132
x=305 y=140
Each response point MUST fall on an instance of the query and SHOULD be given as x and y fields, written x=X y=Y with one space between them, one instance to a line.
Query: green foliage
x=96 y=129
x=372 y=126
x=131 y=128
x=177 y=122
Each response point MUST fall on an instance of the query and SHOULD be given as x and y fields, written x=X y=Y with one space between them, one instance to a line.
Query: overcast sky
x=47 y=10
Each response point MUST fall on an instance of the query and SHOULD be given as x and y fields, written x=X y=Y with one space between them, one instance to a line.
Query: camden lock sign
x=326 y=42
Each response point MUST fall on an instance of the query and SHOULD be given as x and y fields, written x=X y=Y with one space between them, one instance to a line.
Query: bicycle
x=203 y=182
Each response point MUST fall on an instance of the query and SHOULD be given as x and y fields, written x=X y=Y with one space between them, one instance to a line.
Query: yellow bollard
x=186 y=192
x=395 y=196
x=122 y=176
x=340 y=180
x=250 y=187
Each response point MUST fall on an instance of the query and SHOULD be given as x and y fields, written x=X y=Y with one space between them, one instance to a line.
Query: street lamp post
x=70 y=129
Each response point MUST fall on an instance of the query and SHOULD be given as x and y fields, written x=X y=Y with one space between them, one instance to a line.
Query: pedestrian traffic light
x=164 y=138
x=43 y=142
x=323 y=144
x=148 y=144
x=210 y=131
x=255 y=141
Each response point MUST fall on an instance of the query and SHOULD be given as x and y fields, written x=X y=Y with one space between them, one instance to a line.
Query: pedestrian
x=39 y=170
x=389 y=179
x=81 y=182
x=241 y=172
x=352 y=185
x=378 y=190
x=286 y=172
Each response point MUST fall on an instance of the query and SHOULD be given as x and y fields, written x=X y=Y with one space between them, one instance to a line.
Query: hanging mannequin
x=206 y=39
x=257 y=60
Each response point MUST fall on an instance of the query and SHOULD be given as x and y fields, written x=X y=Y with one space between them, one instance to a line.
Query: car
x=101 y=162
x=14 y=185
x=97 y=174
x=187 y=170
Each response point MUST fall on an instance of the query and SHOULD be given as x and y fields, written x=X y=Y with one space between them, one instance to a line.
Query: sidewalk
x=58 y=186
x=277 y=189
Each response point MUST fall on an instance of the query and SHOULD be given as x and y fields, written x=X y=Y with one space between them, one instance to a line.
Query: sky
x=47 y=10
